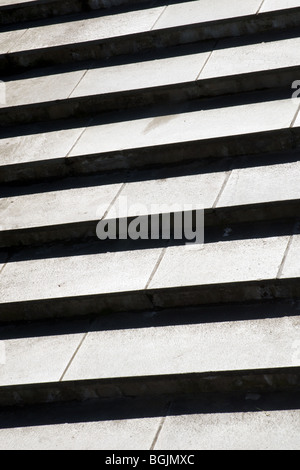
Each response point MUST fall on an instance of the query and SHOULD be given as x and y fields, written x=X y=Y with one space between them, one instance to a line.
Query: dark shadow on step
x=135 y=408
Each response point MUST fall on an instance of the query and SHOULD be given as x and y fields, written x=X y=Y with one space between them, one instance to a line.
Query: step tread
x=84 y=274
x=247 y=421
x=150 y=75
x=225 y=346
x=256 y=430
x=86 y=137
x=186 y=126
x=271 y=5
x=86 y=30
x=93 y=199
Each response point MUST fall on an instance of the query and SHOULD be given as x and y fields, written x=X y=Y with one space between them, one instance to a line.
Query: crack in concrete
x=159 y=16
x=260 y=7
x=73 y=356
x=160 y=426
x=208 y=58
x=280 y=269
x=161 y=255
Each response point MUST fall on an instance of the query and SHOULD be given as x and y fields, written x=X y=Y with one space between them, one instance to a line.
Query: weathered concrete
x=49 y=213
x=261 y=184
x=185 y=127
x=199 y=191
x=124 y=435
x=50 y=87
x=137 y=84
x=223 y=262
x=204 y=11
x=80 y=275
x=256 y=430
x=297 y=121
x=15 y=11
x=138 y=75
x=124 y=41
x=8 y=39
x=209 y=332
x=83 y=281
x=92 y=29
x=232 y=57
x=184 y=349
x=270 y=5
x=37 y=359
x=172 y=360
x=37 y=145
x=208 y=422
x=291 y=262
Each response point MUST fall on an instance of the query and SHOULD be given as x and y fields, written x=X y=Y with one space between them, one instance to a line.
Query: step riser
x=150 y=299
x=103 y=49
x=172 y=386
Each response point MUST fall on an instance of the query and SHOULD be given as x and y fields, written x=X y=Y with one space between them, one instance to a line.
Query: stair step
x=245 y=421
x=212 y=128
x=234 y=196
x=100 y=36
x=234 y=66
x=85 y=279
x=244 y=354
x=17 y=11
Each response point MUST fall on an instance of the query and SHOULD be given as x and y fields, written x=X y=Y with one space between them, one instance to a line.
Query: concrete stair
x=136 y=342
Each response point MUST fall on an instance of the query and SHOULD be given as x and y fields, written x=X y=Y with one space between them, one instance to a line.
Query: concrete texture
x=270 y=5
x=124 y=434
x=186 y=349
x=261 y=184
x=297 y=121
x=223 y=262
x=267 y=343
x=204 y=11
x=199 y=191
x=37 y=360
x=291 y=265
x=50 y=208
x=87 y=30
x=260 y=430
x=8 y=39
x=232 y=58
x=79 y=275
x=144 y=83
x=197 y=125
x=91 y=45
x=39 y=89
x=39 y=146
x=149 y=344
x=161 y=72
